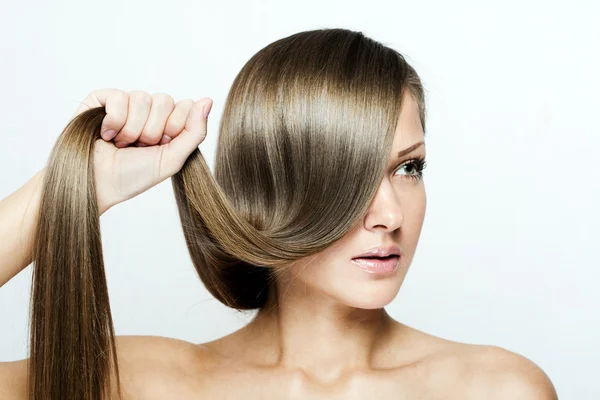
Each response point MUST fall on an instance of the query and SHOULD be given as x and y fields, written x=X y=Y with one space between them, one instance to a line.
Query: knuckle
x=150 y=136
x=117 y=107
x=162 y=100
x=174 y=122
x=127 y=135
x=174 y=125
x=120 y=96
x=141 y=97
x=172 y=128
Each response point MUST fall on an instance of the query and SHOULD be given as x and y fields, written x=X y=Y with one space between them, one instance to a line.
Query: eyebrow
x=404 y=152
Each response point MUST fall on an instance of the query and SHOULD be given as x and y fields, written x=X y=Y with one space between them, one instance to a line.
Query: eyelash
x=419 y=164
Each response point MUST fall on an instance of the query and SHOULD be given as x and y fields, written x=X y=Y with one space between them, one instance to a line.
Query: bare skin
x=324 y=333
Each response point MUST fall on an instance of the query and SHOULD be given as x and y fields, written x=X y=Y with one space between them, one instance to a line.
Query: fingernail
x=121 y=144
x=109 y=134
x=206 y=109
x=165 y=139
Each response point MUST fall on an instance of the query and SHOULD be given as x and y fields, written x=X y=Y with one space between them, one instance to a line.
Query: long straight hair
x=302 y=148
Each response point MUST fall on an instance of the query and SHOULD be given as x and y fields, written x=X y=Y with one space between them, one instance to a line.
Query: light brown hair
x=302 y=147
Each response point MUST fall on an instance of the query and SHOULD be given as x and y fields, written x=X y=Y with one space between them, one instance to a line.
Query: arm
x=18 y=220
x=18 y=213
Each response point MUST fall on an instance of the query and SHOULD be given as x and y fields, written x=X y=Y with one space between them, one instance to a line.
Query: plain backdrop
x=508 y=254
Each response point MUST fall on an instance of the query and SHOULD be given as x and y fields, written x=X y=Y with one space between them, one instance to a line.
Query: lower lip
x=377 y=265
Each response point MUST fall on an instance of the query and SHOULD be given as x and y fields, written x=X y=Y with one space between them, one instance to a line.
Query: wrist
x=103 y=207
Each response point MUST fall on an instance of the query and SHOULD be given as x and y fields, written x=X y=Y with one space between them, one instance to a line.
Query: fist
x=145 y=140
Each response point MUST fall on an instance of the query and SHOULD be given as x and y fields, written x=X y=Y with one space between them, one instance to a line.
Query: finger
x=116 y=106
x=160 y=110
x=176 y=121
x=97 y=98
x=139 y=108
x=194 y=132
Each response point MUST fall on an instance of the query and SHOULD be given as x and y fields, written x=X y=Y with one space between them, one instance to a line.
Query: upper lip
x=382 y=251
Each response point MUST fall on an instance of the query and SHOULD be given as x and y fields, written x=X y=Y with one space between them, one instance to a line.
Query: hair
x=302 y=147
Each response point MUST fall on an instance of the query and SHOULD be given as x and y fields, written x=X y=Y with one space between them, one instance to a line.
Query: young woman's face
x=395 y=217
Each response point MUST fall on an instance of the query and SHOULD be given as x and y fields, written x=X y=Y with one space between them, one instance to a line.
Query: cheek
x=313 y=274
x=343 y=282
x=323 y=270
x=322 y=274
x=414 y=212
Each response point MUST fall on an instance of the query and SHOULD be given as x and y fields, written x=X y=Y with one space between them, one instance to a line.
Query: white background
x=508 y=253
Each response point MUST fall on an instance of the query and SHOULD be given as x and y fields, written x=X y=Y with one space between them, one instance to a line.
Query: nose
x=385 y=213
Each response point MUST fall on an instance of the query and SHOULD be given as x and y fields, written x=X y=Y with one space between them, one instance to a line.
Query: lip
x=378 y=266
x=381 y=251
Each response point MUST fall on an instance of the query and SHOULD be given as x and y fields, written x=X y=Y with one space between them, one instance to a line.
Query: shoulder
x=475 y=371
x=162 y=350
x=150 y=367
x=13 y=380
x=155 y=367
x=495 y=373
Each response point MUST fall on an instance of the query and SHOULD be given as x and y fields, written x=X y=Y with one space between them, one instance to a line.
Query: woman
x=312 y=218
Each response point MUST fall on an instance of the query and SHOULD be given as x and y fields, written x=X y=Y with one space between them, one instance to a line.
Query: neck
x=303 y=329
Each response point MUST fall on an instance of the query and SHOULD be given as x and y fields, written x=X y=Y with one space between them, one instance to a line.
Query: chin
x=375 y=292
x=377 y=296
x=372 y=305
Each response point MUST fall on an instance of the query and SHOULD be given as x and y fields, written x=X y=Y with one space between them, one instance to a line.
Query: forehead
x=408 y=129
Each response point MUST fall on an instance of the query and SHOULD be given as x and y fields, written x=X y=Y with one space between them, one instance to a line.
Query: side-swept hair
x=303 y=144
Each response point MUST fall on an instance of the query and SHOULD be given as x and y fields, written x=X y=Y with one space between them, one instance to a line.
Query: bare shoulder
x=475 y=371
x=13 y=380
x=150 y=367
x=496 y=373
x=156 y=367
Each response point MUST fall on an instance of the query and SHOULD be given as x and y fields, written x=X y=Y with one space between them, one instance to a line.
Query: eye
x=415 y=167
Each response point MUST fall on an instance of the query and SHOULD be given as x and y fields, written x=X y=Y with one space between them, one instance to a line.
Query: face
x=395 y=217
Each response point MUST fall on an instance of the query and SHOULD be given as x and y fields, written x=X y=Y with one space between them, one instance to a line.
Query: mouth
x=381 y=251
x=378 y=265
x=377 y=258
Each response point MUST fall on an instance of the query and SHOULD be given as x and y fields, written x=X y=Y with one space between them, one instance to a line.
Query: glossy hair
x=302 y=147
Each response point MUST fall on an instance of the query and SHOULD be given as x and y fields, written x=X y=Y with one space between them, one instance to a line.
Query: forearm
x=18 y=218
x=18 y=221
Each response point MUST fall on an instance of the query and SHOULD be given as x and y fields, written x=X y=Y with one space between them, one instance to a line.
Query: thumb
x=194 y=132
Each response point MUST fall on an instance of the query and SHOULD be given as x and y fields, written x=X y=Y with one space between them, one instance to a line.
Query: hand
x=150 y=140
